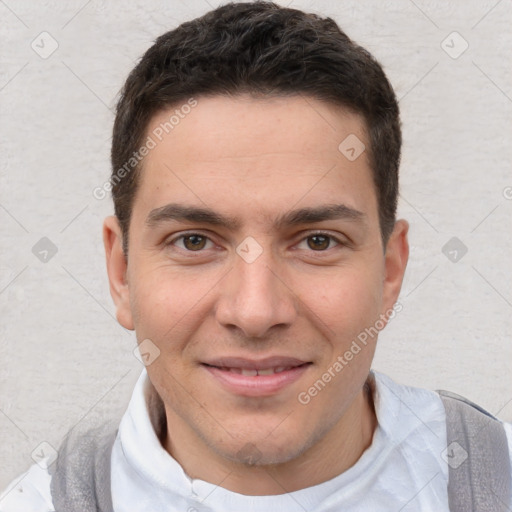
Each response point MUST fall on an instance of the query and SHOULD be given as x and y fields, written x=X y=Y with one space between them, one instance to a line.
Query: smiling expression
x=255 y=258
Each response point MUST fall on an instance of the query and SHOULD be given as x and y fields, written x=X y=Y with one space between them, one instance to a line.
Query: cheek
x=170 y=305
x=160 y=302
x=349 y=306
x=348 y=300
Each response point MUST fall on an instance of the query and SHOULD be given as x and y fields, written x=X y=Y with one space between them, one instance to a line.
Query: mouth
x=254 y=373
x=256 y=378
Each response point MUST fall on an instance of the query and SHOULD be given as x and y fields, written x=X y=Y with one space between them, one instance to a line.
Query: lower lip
x=260 y=385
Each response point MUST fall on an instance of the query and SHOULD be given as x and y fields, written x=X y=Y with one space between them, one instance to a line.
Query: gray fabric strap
x=81 y=474
x=479 y=482
x=478 y=457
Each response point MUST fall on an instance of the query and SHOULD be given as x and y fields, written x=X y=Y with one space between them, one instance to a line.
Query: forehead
x=265 y=154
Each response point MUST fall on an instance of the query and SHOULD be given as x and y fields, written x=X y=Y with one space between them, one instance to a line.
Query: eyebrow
x=200 y=215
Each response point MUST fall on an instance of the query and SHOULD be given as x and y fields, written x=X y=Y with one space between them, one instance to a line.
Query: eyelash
x=339 y=242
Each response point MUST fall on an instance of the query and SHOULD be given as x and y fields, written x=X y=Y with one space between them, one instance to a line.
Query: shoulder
x=29 y=492
x=403 y=409
x=508 y=432
x=80 y=454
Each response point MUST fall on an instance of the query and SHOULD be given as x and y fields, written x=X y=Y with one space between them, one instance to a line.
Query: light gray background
x=64 y=357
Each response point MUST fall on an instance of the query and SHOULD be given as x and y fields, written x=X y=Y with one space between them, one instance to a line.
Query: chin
x=257 y=450
x=260 y=455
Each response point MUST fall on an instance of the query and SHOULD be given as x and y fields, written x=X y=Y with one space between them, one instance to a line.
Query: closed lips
x=254 y=373
x=256 y=377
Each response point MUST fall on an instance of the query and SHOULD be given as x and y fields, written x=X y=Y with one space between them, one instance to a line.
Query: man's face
x=280 y=279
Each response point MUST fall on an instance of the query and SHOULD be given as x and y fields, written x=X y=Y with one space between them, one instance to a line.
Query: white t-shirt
x=403 y=469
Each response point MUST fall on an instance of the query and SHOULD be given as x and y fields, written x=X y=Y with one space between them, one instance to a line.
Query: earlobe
x=117 y=271
x=396 y=257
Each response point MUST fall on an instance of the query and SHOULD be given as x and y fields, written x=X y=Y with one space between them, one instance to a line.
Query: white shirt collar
x=140 y=462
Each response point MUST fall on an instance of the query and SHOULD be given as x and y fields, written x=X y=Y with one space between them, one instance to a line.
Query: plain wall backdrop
x=64 y=358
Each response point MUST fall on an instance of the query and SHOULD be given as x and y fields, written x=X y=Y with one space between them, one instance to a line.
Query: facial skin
x=256 y=160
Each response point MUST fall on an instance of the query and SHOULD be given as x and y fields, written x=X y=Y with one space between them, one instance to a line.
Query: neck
x=336 y=452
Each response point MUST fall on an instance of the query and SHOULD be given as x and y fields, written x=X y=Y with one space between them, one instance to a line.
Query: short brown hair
x=263 y=49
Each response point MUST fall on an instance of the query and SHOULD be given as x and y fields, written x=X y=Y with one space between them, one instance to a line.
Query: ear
x=116 y=269
x=395 y=262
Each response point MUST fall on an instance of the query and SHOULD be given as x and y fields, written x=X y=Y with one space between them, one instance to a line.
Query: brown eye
x=319 y=242
x=194 y=242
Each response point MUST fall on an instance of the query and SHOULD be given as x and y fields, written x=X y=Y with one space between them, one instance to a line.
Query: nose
x=255 y=297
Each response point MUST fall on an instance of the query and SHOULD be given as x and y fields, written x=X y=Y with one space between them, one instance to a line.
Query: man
x=256 y=253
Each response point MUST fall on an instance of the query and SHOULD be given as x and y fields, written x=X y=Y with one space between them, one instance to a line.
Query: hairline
x=255 y=94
